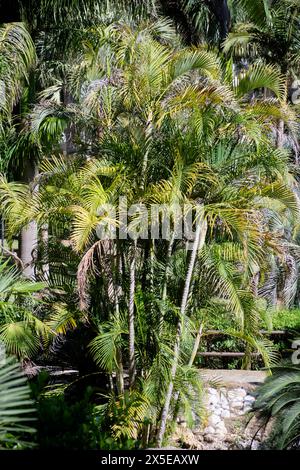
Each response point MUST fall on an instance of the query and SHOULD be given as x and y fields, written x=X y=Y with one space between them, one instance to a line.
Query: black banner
x=92 y=460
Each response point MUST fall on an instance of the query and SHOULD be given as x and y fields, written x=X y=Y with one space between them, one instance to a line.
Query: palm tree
x=238 y=303
x=271 y=33
x=268 y=31
x=86 y=190
x=156 y=122
x=210 y=19
x=145 y=97
x=197 y=245
x=21 y=329
x=17 y=58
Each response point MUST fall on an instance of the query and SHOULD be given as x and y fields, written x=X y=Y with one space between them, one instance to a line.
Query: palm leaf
x=16 y=407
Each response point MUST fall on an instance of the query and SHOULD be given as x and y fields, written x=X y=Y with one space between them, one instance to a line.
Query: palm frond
x=16 y=406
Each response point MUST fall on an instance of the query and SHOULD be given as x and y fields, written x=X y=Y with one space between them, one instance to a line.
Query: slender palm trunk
x=280 y=134
x=198 y=243
x=148 y=134
x=191 y=362
x=132 y=365
x=28 y=244
x=45 y=243
x=196 y=345
x=279 y=144
x=29 y=234
x=120 y=372
x=254 y=283
x=246 y=364
x=165 y=411
x=119 y=358
x=166 y=278
x=152 y=305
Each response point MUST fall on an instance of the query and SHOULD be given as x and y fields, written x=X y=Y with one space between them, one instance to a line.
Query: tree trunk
x=196 y=345
x=166 y=277
x=247 y=360
x=198 y=244
x=69 y=133
x=28 y=244
x=254 y=282
x=119 y=358
x=191 y=362
x=132 y=365
x=152 y=304
x=44 y=242
x=29 y=234
x=148 y=136
x=280 y=134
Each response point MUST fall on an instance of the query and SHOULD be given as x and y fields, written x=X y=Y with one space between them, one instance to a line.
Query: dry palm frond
x=87 y=267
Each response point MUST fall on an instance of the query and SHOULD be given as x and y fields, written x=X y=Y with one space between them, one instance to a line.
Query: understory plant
x=17 y=409
x=277 y=402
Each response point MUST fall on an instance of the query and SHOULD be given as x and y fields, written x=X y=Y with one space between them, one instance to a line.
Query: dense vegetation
x=188 y=103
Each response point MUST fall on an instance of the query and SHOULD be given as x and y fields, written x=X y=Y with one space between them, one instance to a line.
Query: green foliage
x=20 y=327
x=17 y=410
x=280 y=320
x=278 y=398
x=64 y=425
x=124 y=416
x=18 y=55
x=69 y=423
x=117 y=106
x=286 y=319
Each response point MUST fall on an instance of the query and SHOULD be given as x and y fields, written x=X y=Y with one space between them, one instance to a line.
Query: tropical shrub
x=21 y=328
x=65 y=425
x=286 y=319
x=279 y=399
x=17 y=409
x=68 y=421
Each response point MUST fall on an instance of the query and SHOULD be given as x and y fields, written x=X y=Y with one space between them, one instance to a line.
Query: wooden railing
x=236 y=354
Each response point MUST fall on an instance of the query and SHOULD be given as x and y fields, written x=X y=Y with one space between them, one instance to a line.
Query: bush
x=63 y=425
x=68 y=422
x=279 y=398
x=286 y=319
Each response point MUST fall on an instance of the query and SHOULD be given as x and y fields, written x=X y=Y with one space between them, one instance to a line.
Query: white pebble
x=213 y=420
x=209 y=430
x=236 y=404
x=225 y=414
x=249 y=399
